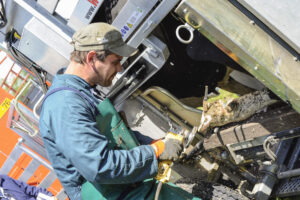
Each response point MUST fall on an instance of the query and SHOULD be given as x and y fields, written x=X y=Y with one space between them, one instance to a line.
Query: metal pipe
x=289 y=173
x=287 y=134
x=295 y=155
x=15 y=102
x=263 y=189
x=37 y=105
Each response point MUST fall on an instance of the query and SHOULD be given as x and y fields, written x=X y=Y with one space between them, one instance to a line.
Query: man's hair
x=80 y=56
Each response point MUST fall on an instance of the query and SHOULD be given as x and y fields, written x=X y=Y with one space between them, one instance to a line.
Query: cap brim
x=124 y=50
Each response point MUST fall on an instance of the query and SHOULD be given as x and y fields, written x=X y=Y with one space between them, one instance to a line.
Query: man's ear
x=90 y=57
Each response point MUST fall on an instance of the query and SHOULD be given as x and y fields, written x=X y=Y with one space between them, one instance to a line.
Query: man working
x=76 y=148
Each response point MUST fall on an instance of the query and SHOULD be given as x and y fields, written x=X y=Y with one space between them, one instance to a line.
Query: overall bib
x=119 y=137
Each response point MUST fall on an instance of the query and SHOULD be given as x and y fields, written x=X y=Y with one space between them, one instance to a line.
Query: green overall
x=119 y=137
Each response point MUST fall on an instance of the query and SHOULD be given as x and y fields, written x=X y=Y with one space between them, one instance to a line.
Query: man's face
x=107 y=70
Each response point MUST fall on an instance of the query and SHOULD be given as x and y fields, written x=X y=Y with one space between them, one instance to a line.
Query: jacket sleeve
x=78 y=138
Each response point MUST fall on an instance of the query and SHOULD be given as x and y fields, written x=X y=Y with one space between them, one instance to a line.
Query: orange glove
x=158 y=146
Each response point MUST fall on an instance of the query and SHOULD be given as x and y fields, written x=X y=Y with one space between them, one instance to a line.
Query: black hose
x=3 y=19
x=26 y=62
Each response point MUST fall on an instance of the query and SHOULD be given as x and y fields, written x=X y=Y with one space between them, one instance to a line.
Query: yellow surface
x=4 y=107
x=164 y=167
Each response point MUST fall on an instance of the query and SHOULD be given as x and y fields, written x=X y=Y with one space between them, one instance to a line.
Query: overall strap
x=84 y=96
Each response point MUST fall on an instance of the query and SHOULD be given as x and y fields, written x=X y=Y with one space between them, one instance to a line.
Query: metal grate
x=290 y=188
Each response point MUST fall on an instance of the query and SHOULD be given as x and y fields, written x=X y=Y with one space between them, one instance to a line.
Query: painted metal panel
x=49 y=5
x=29 y=171
x=48 y=180
x=281 y=16
x=83 y=13
x=11 y=160
x=53 y=50
x=131 y=15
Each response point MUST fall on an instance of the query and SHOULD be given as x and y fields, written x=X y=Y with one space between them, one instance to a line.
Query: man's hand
x=169 y=148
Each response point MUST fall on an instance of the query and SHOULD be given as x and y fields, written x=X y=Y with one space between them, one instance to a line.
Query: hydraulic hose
x=158 y=189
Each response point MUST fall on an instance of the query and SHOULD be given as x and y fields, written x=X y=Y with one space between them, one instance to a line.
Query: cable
x=159 y=186
x=21 y=59
x=3 y=19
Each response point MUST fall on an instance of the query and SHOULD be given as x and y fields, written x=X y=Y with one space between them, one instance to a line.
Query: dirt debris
x=219 y=113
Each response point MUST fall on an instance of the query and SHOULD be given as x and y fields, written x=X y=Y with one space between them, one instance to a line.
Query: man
x=76 y=148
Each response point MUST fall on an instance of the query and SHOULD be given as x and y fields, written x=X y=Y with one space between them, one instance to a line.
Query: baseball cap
x=101 y=36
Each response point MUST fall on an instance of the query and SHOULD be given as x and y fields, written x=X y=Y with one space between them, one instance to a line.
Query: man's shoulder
x=59 y=91
x=62 y=97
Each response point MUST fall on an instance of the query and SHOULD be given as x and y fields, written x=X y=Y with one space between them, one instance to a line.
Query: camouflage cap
x=101 y=36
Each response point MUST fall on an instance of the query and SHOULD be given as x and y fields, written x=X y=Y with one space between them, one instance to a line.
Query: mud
x=231 y=110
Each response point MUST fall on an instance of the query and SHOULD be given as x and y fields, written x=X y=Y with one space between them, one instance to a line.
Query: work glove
x=168 y=149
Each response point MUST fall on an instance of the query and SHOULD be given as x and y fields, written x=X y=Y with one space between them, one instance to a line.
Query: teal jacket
x=76 y=148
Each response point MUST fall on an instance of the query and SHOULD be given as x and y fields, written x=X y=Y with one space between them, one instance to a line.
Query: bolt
x=153 y=53
x=185 y=10
x=224 y=155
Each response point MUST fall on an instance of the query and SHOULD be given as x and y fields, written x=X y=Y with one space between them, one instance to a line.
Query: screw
x=252 y=22
x=295 y=59
x=256 y=67
x=224 y=155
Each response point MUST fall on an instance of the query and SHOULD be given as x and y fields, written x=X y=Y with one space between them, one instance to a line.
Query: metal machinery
x=261 y=37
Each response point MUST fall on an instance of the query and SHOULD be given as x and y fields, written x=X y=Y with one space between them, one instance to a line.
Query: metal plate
x=49 y=5
x=131 y=15
x=83 y=13
x=281 y=16
x=38 y=37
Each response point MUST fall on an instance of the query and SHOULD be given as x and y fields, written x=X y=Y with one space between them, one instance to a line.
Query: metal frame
x=154 y=57
x=31 y=168
x=152 y=21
